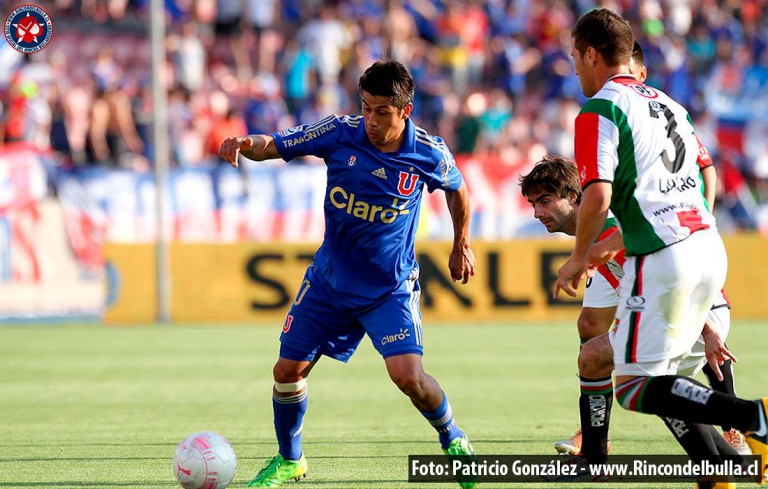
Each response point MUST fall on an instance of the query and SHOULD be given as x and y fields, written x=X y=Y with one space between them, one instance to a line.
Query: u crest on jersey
x=406 y=185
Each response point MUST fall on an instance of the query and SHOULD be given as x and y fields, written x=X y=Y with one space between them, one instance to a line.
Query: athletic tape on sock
x=291 y=386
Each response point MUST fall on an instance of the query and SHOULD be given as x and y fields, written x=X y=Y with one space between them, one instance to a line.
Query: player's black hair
x=388 y=78
x=553 y=174
x=637 y=54
x=608 y=33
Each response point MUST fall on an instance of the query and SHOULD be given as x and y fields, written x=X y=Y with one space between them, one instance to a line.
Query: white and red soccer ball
x=204 y=460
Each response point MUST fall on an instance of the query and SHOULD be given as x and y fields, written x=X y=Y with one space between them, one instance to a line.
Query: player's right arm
x=590 y=219
x=596 y=151
x=257 y=147
x=462 y=260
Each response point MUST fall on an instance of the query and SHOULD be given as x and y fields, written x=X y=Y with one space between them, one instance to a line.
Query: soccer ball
x=204 y=460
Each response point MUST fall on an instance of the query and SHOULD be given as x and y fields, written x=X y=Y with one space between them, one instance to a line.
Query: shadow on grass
x=329 y=483
x=88 y=484
x=233 y=441
x=99 y=459
x=71 y=459
x=367 y=482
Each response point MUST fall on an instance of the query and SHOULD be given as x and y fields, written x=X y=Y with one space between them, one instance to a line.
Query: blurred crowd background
x=493 y=78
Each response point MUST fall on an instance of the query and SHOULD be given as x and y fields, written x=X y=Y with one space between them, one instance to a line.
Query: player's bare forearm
x=257 y=147
x=462 y=260
x=458 y=206
x=590 y=220
x=614 y=242
x=263 y=148
x=709 y=177
x=605 y=250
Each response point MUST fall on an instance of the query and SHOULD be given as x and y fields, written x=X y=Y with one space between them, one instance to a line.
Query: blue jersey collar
x=409 y=142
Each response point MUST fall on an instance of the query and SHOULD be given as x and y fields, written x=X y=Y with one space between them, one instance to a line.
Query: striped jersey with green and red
x=612 y=271
x=642 y=142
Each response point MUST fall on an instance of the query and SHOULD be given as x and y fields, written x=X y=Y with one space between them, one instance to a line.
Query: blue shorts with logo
x=322 y=321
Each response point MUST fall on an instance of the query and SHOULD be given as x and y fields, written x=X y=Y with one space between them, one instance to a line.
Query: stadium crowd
x=493 y=77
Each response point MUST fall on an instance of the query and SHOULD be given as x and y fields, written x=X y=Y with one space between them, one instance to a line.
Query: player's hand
x=715 y=350
x=569 y=276
x=461 y=263
x=231 y=147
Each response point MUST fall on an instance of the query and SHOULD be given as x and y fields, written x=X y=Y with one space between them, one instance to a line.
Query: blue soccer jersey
x=372 y=199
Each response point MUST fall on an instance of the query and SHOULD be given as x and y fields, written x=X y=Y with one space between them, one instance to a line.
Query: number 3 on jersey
x=673 y=166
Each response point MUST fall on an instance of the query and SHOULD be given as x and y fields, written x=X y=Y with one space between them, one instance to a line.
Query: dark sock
x=683 y=398
x=595 y=404
x=726 y=386
x=696 y=439
x=723 y=447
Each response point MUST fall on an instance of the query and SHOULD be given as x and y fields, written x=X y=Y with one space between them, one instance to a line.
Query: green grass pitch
x=93 y=406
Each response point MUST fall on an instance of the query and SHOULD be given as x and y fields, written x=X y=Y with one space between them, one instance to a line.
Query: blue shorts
x=322 y=321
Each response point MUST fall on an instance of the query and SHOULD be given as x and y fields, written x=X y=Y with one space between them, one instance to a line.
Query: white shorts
x=599 y=293
x=665 y=298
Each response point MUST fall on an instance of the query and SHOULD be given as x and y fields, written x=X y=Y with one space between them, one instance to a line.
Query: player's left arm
x=462 y=260
x=708 y=174
x=709 y=177
x=590 y=220
x=605 y=250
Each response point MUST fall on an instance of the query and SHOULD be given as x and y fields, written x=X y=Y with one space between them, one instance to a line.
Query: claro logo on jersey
x=341 y=199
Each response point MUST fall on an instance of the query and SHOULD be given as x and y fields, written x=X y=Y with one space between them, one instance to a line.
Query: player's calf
x=595 y=402
x=407 y=373
x=289 y=405
x=596 y=358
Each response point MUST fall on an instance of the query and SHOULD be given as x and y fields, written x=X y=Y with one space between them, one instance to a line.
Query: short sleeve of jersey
x=596 y=143
x=309 y=139
x=445 y=176
x=704 y=159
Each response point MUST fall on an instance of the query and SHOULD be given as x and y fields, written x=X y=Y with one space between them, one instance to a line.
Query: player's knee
x=596 y=358
x=285 y=374
x=411 y=383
